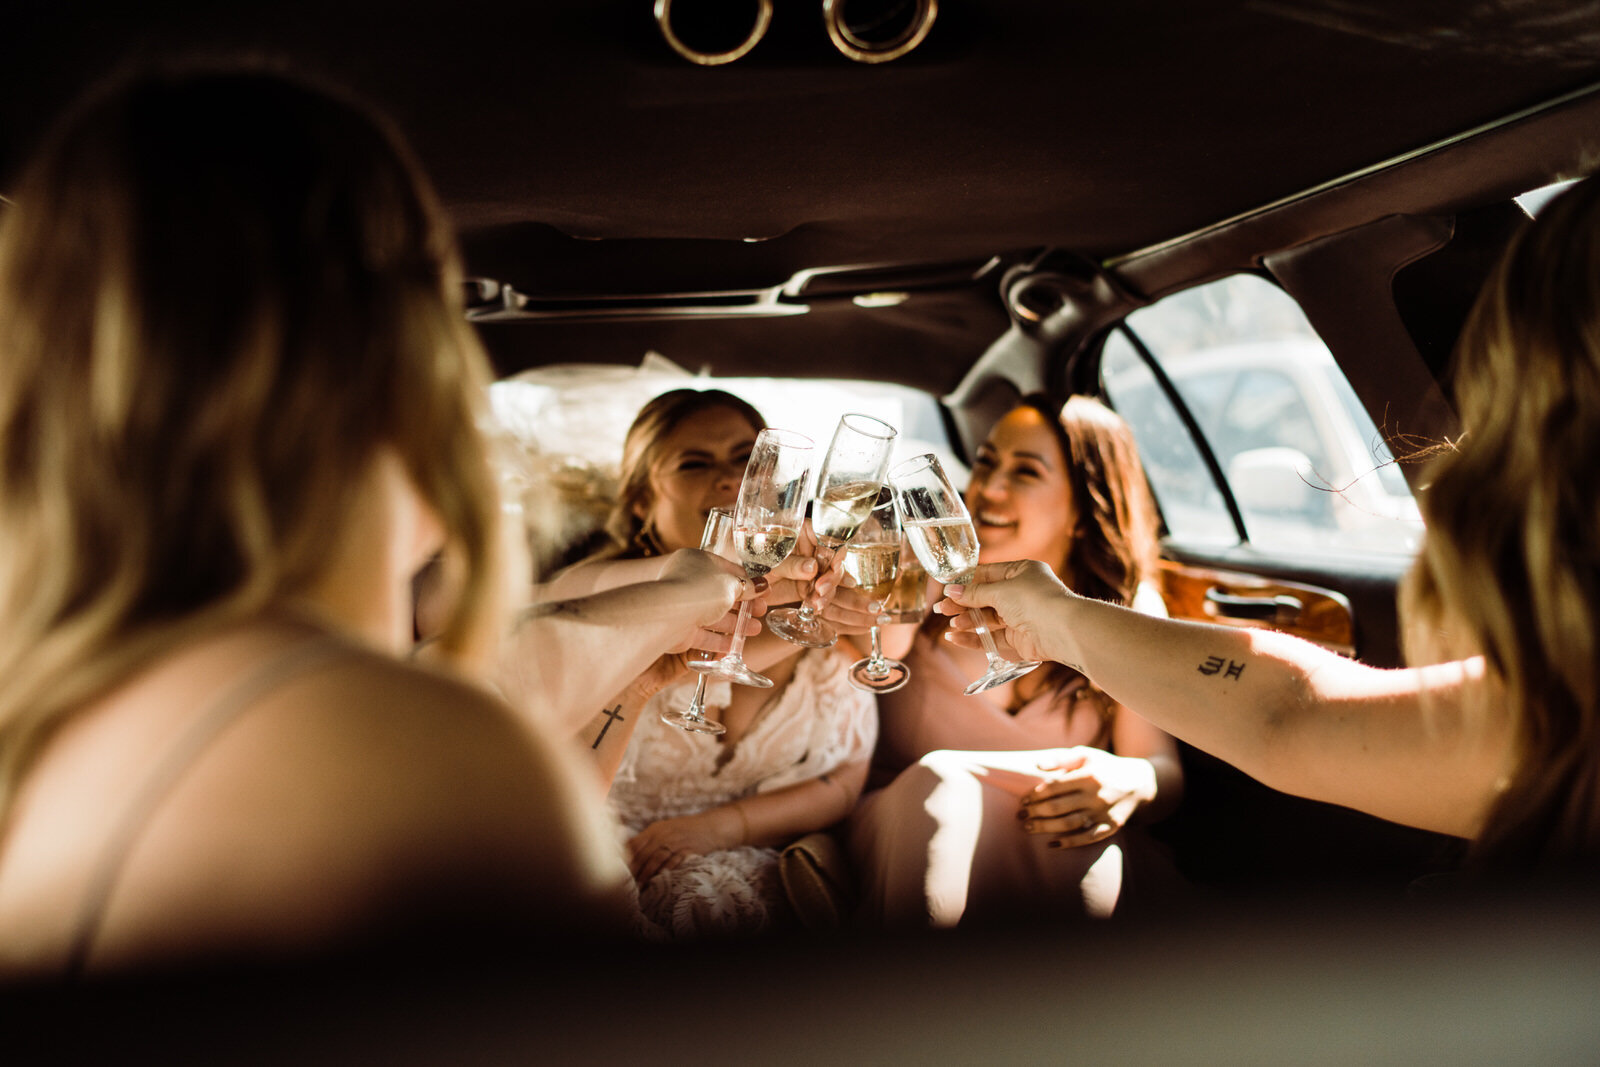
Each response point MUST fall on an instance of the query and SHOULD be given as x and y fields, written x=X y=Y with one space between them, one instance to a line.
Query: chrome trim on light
x=862 y=50
x=758 y=30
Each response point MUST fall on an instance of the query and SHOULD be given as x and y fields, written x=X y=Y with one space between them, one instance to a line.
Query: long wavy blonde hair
x=1511 y=564
x=641 y=451
x=222 y=291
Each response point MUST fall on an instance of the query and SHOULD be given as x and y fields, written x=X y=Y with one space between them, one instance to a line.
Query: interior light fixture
x=879 y=300
x=876 y=31
x=703 y=32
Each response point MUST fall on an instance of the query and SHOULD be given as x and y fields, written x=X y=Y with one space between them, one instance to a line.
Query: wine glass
x=847 y=488
x=872 y=560
x=940 y=532
x=717 y=537
x=766 y=525
x=909 y=600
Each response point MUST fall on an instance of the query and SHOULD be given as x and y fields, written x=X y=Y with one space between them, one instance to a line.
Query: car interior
x=975 y=201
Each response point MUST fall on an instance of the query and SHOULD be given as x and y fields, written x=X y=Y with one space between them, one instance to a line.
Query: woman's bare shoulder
x=361 y=790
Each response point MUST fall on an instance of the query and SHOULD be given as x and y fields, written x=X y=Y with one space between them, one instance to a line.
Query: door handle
x=1280 y=610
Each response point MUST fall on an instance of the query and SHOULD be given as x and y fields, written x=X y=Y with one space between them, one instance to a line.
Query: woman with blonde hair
x=704 y=816
x=1494 y=733
x=239 y=408
x=947 y=842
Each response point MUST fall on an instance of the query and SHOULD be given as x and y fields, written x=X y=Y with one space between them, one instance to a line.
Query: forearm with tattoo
x=1228 y=668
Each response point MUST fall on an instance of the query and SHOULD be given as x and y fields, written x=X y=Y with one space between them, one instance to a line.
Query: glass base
x=890 y=675
x=790 y=625
x=733 y=669
x=999 y=673
x=696 y=724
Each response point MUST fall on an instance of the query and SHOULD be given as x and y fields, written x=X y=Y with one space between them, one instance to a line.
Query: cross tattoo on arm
x=612 y=715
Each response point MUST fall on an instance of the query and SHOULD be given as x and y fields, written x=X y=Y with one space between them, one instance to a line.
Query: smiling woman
x=682 y=457
x=1017 y=799
x=705 y=814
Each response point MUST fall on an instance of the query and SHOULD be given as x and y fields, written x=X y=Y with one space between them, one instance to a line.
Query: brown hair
x=222 y=291
x=1511 y=564
x=641 y=449
x=1114 y=546
x=1114 y=542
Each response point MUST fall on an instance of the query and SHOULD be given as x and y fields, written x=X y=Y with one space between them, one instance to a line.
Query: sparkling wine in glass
x=717 y=537
x=872 y=560
x=908 y=602
x=847 y=489
x=940 y=532
x=766 y=526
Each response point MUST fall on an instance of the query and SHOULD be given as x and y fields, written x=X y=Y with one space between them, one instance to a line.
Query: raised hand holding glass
x=766 y=525
x=940 y=531
x=718 y=538
x=847 y=488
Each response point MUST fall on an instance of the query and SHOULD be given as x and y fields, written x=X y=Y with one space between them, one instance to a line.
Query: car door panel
x=1237 y=598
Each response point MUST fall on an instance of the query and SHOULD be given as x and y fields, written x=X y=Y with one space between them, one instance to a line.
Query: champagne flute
x=872 y=560
x=717 y=537
x=847 y=488
x=909 y=600
x=940 y=532
x=766 y=525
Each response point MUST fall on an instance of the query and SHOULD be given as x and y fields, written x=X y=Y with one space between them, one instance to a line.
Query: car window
x=1266 y=410
x=1293 y=448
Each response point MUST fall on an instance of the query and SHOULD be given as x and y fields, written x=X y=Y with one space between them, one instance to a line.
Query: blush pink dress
x=941 y=843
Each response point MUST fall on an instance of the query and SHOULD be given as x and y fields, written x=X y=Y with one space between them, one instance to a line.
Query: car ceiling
x=579 y=156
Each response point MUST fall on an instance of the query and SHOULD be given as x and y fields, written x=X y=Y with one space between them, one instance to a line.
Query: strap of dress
x=297 y=659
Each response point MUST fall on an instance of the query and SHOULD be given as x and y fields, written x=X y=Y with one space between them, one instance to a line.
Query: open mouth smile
x=992 y=521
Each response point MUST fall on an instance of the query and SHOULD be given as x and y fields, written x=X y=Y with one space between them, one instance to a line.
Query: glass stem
x=986 y=637
x=736 y=649
x=877 y=666
x=697 y=704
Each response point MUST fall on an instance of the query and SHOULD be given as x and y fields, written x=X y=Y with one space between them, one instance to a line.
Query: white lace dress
x=817 y=723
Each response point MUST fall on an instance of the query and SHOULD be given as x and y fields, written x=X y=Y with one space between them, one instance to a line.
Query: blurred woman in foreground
x=239 y=409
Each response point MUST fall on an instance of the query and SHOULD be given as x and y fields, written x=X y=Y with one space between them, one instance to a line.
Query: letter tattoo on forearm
x=612 y=715
x=1226 y=667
